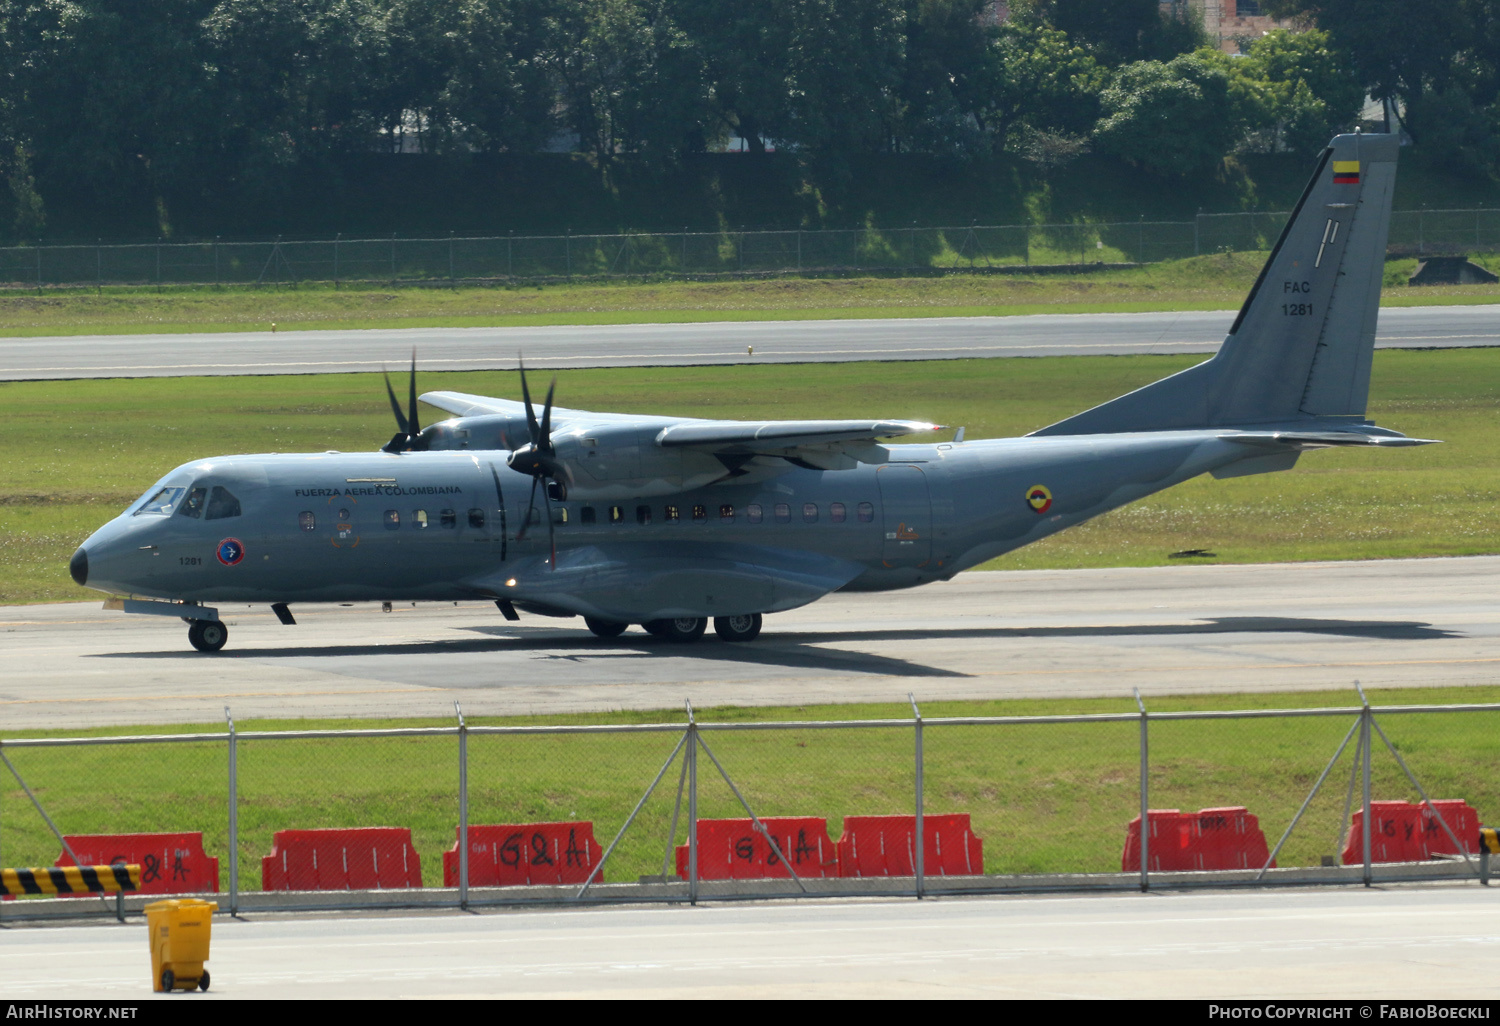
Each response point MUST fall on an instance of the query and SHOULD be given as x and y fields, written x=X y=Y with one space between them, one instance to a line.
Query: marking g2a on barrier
x=71 y=879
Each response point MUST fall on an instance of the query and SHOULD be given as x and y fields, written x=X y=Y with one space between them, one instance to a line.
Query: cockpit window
x=222 y=504
x=161 y=501
x=192 y=506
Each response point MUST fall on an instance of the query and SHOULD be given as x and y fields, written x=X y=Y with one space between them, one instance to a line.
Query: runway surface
x=1356 y=945
x=931 y=338
x=1408 y=623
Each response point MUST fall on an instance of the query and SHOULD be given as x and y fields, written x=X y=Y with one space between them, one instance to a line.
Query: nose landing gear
x=207 y=635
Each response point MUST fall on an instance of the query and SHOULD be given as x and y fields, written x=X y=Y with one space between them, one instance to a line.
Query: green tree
x=1176 y=118
x=1305 y=89
x=1120 y=31
x=946 y=56
x=844 y=77
x=1034 y=77
x=499 y=92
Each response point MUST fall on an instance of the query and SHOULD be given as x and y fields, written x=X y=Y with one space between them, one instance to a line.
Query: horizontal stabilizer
x=1322 y=439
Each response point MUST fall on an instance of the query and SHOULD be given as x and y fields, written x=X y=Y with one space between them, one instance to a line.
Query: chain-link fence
x=467 y=815
x=286 y=262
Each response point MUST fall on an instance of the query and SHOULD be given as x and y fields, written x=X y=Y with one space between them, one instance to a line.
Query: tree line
x=109 y=97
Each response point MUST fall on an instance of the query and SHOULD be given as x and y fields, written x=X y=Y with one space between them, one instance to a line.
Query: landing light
x=511 y=583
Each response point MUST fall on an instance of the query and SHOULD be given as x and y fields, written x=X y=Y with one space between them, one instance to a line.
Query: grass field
x=1045 y=798
x=79 y=451
x=1212 y=282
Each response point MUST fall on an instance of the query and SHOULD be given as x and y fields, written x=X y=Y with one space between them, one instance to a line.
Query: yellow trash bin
x=179 y=930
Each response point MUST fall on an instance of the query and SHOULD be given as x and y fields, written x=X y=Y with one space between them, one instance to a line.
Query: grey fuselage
x=447 y=526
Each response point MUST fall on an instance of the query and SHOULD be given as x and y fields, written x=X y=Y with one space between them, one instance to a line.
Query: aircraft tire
x=208 y=635
x=683 y=628
x=605 y=628
x=737 y=628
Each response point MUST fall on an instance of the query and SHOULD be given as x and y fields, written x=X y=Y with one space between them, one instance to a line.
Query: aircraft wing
x=778 y=436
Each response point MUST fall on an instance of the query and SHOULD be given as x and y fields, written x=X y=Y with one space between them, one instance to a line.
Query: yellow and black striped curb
x=1489 y=840
x=71 y=879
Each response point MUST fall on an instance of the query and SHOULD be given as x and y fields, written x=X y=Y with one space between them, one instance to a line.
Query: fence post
x=337 y=238
x=692 y=767
x=39 y=258
x=568 y=249
x=216 y=261
x=450 y=258
x=799 y=249
x=1145 y=801
x=510 y=253
x=393 y=258
x=1421 y=229
x=1364 y=740
x=463 y=810
x=234 y=816
x=99 y=266
x=158 y=263
x=1197 y=219
x=684 y=249
x=919 y=850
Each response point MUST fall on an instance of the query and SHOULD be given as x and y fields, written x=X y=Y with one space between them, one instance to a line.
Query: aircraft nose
x=78 y=566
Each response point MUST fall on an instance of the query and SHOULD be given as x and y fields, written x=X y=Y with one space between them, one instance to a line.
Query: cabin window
x=726 y=512
x=754 y=513
x=307 y=521
x=222 y=504
x=810 y=512
x=533 y=516
x=617 y=514
x=643 y=515
x=476 y=519
x=586 y=515
x=161 y=501
x=193 y=505
x=559 y=514
x=700 y=514
x=448 y=519
x=837 y=513
x=419 y=519
x=783 y=513
x=866 y=512
x=393 y=519
x=671 y=514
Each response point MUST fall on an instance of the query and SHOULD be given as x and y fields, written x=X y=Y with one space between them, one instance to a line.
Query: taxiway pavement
x=1388 y=623
x=1356 y=946
x=726 y=342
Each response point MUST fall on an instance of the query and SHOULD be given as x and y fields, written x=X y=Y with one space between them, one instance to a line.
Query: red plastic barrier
x=883 y=846
x=363 y=858
x=513 y=855
x=732 y=849
x=1170 y=842
x=1406 y=832
x=1461 y=819
x=1226 y=838
x=170 y=863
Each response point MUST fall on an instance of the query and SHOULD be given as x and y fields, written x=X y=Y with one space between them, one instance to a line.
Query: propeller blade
x=546 y=429
x=415 y=429
x=530 y=505
x=531 y=425
x=395 y=406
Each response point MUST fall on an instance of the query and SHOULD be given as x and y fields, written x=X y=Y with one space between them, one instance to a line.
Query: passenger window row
x=754 y=513
x=447 y=519
x=420 y=520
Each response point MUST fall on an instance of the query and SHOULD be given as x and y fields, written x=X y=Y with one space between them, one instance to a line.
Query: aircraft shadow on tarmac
x=802 y=650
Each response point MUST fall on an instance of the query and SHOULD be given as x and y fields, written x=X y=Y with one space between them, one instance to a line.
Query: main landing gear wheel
x=737 y=628
x=208 y=635
x=683 y=628
x=605 y=628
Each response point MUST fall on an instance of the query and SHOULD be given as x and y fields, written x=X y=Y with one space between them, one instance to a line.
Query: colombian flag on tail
x=1346 y=172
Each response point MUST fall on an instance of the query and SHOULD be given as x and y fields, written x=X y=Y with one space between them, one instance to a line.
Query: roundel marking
x=1039 y=498
x=231 y=551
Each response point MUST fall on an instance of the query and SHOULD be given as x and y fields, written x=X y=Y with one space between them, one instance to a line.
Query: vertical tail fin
x=1301 y=346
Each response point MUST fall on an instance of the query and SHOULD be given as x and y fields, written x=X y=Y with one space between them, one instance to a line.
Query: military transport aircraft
x=669 y=522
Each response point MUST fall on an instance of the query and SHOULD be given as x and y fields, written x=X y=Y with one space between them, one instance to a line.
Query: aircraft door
x=907 y=510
